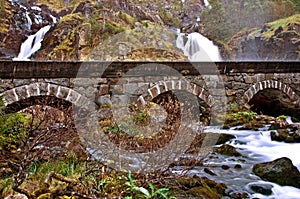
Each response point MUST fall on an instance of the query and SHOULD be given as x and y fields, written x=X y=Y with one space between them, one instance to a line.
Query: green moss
x=127 y=18
x=273 y=26
x=71 y=18
x=113 y=29
x=5 y=15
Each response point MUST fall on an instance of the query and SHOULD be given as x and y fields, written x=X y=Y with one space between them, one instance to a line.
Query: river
x=255 y=147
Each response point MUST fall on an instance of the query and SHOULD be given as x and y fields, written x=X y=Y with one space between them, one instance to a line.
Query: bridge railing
x=54 y=69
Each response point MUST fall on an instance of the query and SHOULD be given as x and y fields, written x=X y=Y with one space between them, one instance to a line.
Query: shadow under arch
x=273 y=98
x=270 y=84
x=46 y=100
x=197 y=98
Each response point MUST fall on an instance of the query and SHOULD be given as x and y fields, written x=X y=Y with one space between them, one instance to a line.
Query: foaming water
x=197 y=47
x=260 y=145
x=32 y=44
x=255 y=147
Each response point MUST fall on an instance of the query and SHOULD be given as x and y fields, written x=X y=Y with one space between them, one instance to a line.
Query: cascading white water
x=258 y=147
x=33 y=15
x=29 y=21
x=32 y=44
x=207 y=4
x=197 y=47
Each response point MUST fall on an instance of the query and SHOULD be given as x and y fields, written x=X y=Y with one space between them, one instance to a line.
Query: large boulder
x=202 y=187
x=281 y=171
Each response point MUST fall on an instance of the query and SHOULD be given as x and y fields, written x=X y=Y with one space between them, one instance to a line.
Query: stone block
x=117 y=89
x=103 y=100
x=269 y=76
x=249 y=79
x=60 y=81
x=130 y=88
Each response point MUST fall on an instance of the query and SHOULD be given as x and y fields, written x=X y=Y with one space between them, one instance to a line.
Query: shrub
x=12 y=128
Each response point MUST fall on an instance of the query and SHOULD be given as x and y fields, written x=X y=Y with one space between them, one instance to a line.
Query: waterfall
x=29 y=21
x=197 y=47
x=206 y=3
x=32 y=44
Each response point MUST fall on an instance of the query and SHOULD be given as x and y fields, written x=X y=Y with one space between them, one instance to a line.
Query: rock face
x=84 y=25
x=281 y=171
x=279 y=40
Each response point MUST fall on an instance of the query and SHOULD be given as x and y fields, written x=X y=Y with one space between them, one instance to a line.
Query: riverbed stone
x=286 y=135
x=265 y=189
x=279 y=135
x=227 y=149
x=280 y=171
x=209 y=171
x=203 y=187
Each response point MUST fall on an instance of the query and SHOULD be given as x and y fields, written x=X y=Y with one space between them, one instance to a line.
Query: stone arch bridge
x=260 y=84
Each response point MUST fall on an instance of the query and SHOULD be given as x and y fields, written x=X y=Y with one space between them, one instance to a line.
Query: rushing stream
x=255 y=147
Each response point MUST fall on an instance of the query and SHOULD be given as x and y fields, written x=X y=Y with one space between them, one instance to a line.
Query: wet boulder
x=265 y=189
x=227 y=149
x=202 y=187
x=286 y=135
x=279 y=135
x=280 y=171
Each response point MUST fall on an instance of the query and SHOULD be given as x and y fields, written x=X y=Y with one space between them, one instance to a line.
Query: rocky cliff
x=278 y=40
x=82 y=27
x=131 y=30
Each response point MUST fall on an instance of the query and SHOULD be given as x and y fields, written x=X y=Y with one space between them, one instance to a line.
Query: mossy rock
x=277 y=170
x=279 y=135
x=207 y=188
x=202 y=192
x=227 y=149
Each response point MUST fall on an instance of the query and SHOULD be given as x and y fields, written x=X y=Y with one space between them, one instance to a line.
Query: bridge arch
x=270 y=84
x=164 y=86
x=39 y=89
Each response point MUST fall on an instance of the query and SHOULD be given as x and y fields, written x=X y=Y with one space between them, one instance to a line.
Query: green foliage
x=239 y=115
x=125 y=127
x=168 y=18
x=113 y=29
x=12 y=129
x=68 y=167
x=5 y=185
x=216 y=21
x=141 y=192
x=281 y=117
x=141 y=117
x=296 y=5
x=245 y=116
x=99 y=5
x=2 y=6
